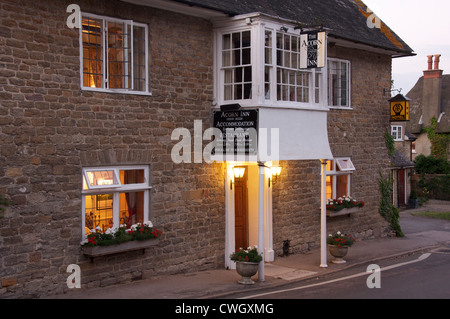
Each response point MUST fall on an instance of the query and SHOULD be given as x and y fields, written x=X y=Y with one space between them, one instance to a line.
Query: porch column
x=261 y=221
x=323 y=215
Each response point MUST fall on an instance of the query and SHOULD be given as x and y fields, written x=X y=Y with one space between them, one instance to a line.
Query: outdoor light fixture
x=276 y=171
x=284 y=29
x=238 y=173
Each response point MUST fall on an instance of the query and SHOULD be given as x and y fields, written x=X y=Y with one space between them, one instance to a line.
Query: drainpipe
x=323 y=215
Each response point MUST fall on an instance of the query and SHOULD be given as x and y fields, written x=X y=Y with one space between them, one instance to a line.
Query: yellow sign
x=399 y=108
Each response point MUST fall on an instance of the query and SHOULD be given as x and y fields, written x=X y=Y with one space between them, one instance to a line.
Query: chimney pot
x=430 y=62
x=436 y=61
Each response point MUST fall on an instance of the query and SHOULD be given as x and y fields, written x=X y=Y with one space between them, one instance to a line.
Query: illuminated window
x=338 y=177
x=114 y=54
x=114 y=196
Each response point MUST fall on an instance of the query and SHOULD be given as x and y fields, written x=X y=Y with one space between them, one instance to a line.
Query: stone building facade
x=52 y=130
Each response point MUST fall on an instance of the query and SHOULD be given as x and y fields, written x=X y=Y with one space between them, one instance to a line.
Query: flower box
x=97 y=251
x=344 y=211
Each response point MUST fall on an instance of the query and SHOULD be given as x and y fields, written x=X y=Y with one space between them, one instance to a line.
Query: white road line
x=421 y=258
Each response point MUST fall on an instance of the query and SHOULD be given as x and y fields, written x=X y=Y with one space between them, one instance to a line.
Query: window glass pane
x=98 y=212
x=131 y=208
x=102 y=178
x=139 y=61
x=92 y=52
x=119 y=68
x=135 y=176
x=341 y=185
x=330 y=187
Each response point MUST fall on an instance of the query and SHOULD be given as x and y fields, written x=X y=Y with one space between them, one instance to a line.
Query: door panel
x=241 y=212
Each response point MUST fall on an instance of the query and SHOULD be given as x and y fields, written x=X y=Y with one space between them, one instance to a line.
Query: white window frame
x=348 y=90
x=317 y=89
x=131 y=23
x=115 y=189
x=348 y=170
x=397 y=132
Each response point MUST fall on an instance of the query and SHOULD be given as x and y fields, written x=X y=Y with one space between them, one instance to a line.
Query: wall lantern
x=238 y=173
x=276 y=171
x=399 y=108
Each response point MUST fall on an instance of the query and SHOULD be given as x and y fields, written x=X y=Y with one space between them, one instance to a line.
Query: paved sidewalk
x=420 y=234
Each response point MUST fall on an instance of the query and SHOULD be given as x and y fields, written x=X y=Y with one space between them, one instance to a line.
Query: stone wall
x=50 y=129
x=357 y=133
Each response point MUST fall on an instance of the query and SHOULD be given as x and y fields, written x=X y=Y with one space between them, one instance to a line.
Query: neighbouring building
x=93 y=115
x=430 y=98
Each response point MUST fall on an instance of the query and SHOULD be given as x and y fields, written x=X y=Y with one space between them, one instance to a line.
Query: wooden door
x=241 y=211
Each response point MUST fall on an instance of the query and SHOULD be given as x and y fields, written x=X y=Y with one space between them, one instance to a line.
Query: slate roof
x=400 y=161
x=347 y=19
x=415 y=111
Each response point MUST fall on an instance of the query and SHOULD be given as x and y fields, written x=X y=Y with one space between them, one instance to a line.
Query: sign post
x=399 y=108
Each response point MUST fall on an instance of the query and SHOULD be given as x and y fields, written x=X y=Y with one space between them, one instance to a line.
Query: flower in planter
x=343 y=202
x=248 y=255
x=339 y=239
x=114 y=236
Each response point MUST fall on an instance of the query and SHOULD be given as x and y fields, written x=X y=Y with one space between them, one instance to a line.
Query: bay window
x=114 y=196
x=114 y=55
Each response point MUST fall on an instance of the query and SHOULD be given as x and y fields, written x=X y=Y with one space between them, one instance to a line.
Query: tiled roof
x=347 y=19
x=400 y=161
x=415 y=94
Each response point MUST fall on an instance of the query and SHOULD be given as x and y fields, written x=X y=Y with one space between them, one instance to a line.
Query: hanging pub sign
x=399 y=106
x=239 y=129
x=312 y=49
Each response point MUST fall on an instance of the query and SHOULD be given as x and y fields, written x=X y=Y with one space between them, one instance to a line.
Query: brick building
x=88 y=113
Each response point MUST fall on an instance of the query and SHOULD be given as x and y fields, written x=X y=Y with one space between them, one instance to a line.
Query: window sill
x=345 y=211
x=345 y=108
x=98 y=251
x=88 y=89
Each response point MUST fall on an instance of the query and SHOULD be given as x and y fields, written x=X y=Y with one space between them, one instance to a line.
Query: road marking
x=421 y=258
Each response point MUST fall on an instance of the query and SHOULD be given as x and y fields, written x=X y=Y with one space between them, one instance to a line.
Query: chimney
x=431 y=94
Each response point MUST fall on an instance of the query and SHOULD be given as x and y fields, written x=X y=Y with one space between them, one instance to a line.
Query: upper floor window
x=396 y=132
x=237 y=65
x=254 y=70
x=114 y=55
x=339 y=83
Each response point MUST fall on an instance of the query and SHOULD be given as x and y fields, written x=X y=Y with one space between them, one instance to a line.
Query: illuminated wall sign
x=239 y=132
x=312 y=50
x=399 y=106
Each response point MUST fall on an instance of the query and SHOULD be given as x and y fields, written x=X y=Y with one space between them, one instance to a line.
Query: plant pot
x=413 y=203
x=246 y=270
x=338 y=252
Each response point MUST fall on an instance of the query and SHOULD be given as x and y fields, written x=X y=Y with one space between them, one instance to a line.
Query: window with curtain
x=114 y=54
x=338 y=178
x=114 y=196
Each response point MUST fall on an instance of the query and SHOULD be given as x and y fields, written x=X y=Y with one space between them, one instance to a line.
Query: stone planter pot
x=339 y=253
x=97 y=251
x=246 y=270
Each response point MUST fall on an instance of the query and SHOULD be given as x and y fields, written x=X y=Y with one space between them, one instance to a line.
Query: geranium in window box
x=138 y=236
x=343 y=205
